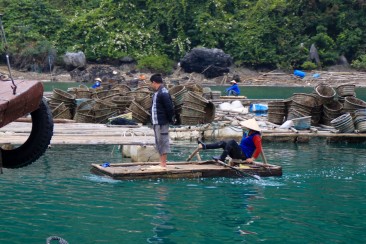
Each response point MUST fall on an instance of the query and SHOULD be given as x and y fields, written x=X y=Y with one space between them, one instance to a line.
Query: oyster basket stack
x=193 y=109
x=277 y=112
x=351 y=104
x=122 y=102
x=102 y=110
x=344 y=123
x=139 y=114
x=331 y=111
x=177 y=93
x=302 y=105
x=59 y=96
x=84 y=113
x=345 y=90
x=325 y=93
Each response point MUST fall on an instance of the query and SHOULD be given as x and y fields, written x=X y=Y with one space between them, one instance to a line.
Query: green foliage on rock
x=360 y=63
x=257 y=33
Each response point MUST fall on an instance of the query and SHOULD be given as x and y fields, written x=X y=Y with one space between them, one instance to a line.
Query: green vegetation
x=256 y=33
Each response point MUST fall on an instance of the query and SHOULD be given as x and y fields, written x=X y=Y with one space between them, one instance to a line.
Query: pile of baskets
x=62 y=104
x=344 y=123
x=193 y=109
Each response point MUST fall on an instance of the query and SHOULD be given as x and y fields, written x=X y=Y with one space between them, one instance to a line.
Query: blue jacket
x=247 y=144
x=235 y=88
x=162 y=110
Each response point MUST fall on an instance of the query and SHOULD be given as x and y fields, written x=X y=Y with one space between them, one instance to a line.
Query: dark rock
x=210 y=62
x=75 y=60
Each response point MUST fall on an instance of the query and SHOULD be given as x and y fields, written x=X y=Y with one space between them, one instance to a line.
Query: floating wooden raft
x=152 y=170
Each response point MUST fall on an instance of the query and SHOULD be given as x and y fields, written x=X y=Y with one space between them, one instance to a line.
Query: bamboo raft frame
x=174 y=170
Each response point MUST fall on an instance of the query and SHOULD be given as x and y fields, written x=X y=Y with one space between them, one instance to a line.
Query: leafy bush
x=156 y=63
x=360 y=63
x=307 y=65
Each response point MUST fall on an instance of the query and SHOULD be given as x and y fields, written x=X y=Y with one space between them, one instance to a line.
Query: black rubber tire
x=37 y=142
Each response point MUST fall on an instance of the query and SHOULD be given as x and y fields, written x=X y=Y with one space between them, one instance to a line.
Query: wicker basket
x=82 y=117
x=138 y=95
x=104 y=118
x=124 y=101
x=65 y=114
x=99 y=94
x=101 y=104
x=346 y=90
x=146 y=102
x=354 y=103
x=195 y=98
x=137 y=109
x=325 y=93
x=190 y=111
x=61 y=107
x=62 y=95
x=103 y=112
x=210 y=112
x=123 y=89
x=307 y=100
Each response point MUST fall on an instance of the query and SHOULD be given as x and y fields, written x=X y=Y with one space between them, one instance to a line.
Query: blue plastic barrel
x=299 y=73
x=256 y=107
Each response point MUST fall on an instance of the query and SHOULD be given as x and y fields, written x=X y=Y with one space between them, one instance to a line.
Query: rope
x=56 y=238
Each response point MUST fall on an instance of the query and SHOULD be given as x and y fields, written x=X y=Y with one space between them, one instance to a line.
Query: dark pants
x=230 y=147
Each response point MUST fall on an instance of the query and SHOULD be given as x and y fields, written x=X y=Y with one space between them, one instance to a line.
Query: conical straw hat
x=251 y=124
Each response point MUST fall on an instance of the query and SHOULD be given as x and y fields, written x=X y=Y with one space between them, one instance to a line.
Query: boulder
x=74 y=60
x=210 y=62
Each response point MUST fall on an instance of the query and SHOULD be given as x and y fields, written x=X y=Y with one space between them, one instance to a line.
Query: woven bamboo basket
x=143 y=89
x=346 y=90
x=190 y=111
x=146 y=102
x=177 y=93
x=103 y=112
x=64 y=114
x=99 y=94
x=276 y=118
x=101 y=104
x=61 y=107
x=307 y=100
x=84 y=117
x=195 y=98
x=138 y=94
x=123 y=89
x=113 y=92
x=325 y=93
x=62 y=95
x=137 y=109
x=354 y=103
x=123 y=100
x=210 y=112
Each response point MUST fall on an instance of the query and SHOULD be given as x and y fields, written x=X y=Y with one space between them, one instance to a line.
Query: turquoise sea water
x=261 y=92
x=319 y=199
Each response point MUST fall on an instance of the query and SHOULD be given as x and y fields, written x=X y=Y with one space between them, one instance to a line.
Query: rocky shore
x=333 y=76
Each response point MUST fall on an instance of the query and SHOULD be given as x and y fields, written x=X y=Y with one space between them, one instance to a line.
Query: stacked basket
x=303 y=105
x=331 y=111
x=84 y=112
x=277 y=112
x=139 y=114
x=344 y=123
x=59 y=96
x=325 y=93
x=351 y=104
x=345 y=90
x=122 y=102
x=177 y=92
x=193 y=110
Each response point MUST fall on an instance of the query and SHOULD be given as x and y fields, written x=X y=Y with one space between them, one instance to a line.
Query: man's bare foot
x=163 y=165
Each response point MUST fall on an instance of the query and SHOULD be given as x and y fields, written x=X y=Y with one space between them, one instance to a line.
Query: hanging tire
x=37 y=142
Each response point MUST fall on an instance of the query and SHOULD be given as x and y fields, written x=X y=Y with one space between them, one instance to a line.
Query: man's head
x=156 y=81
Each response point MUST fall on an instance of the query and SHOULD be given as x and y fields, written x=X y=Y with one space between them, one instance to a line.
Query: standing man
x=162 y=113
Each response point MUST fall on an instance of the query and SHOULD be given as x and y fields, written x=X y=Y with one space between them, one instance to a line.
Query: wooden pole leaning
x=194 y=153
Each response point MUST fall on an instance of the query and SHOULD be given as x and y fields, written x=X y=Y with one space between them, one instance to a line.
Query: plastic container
x=299 y=73
x=257 y=107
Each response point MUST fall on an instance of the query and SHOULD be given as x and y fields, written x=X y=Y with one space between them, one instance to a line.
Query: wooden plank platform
x=94 y=134
x=152 y=170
